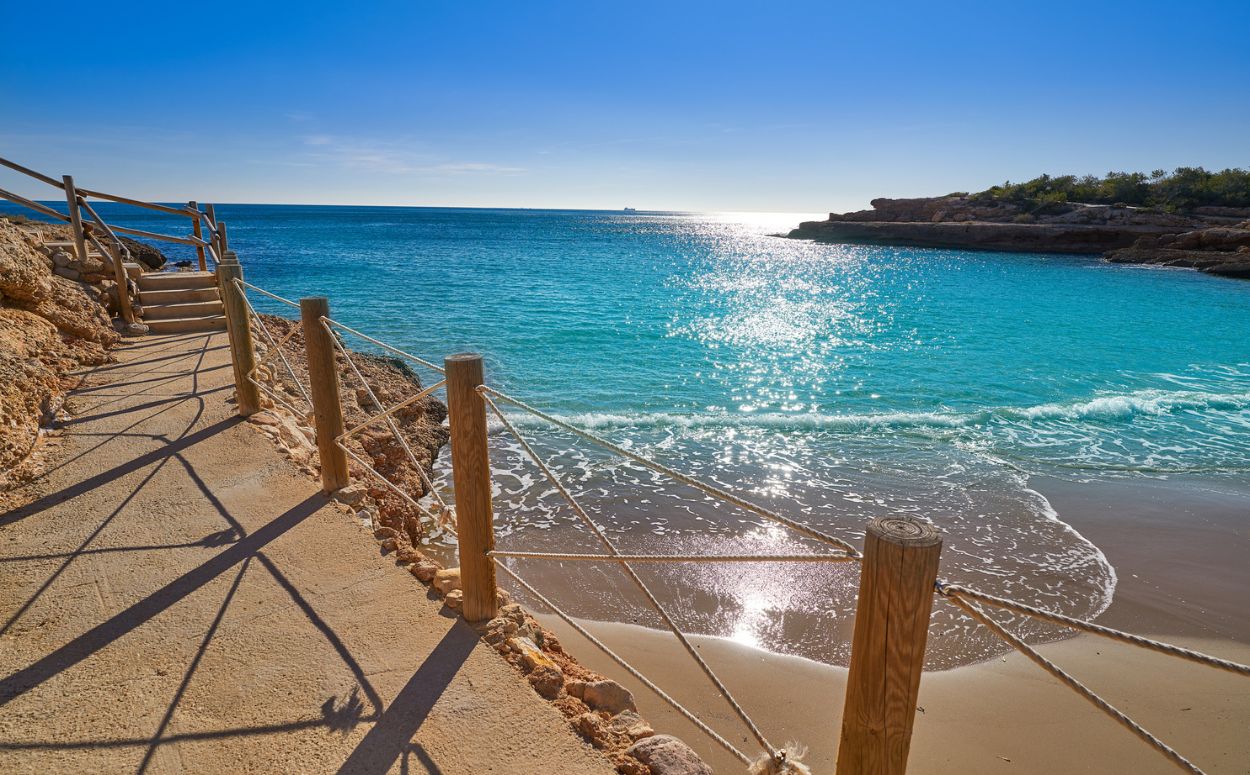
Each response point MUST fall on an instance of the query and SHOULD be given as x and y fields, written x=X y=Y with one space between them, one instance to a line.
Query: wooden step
x=195 y=309
x=165 y=281
x=183 y=325
x=178 y=296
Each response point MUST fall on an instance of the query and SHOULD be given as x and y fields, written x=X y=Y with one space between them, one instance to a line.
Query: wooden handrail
x=36 y=175
x=183 y=211
x=166 y=237
x=33 y=205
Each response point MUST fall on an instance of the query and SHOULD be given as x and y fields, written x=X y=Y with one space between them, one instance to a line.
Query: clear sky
x=798 y=106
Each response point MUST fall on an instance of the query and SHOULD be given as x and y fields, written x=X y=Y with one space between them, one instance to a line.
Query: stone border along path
x=177 y=597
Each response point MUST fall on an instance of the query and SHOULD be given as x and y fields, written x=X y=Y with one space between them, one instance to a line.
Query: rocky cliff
x=1221 y=250
x=1206 y=238
x=50 y=328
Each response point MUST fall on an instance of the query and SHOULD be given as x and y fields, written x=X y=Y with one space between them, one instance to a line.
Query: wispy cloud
x=393 y=157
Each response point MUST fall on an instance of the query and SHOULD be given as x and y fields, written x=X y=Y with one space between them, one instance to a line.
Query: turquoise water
x=834 y=383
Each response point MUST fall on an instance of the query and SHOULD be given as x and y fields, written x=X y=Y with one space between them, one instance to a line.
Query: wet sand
x=1179 y=549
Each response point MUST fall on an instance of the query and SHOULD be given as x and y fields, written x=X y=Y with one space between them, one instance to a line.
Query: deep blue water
x=834 y=382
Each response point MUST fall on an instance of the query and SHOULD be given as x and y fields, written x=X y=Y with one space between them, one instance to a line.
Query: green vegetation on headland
x=1178 y=191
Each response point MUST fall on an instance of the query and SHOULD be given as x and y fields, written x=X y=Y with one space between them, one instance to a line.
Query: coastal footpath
x=1210 y=239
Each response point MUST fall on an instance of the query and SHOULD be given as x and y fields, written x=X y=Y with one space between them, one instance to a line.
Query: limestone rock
x=608 y=696
x=630 y=724
x=454 y=599
x=447 y=580
x=547 y=680
x=424 y=570
x=666 y=755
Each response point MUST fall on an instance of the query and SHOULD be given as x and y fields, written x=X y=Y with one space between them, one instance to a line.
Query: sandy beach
x=1176 y=547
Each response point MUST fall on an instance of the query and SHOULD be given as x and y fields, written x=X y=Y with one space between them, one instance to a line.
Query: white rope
x=712 y=490
x=269 y=337
x=677 y=557
x=646 y=591
x=264 y=292
x=394 y=487
x=1098 y=702
x=952 y=590
x=403 y=443
x=384 y=345
x=677 y=706
x=394 y=409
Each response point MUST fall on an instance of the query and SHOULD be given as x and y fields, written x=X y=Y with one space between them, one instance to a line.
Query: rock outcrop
x=970 y=222
x=50 y=326
x=289 y=422
x=1209 y=239
x=1221 y=250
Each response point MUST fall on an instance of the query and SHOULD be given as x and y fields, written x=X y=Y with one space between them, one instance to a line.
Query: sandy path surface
x=175 y=597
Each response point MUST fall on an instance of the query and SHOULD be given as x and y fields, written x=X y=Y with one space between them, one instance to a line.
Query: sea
x=831 y=383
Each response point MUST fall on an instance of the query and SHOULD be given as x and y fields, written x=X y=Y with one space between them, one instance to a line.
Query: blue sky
x=801 y=107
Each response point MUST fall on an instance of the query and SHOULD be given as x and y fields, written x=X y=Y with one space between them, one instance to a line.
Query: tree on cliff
x=1182 y=189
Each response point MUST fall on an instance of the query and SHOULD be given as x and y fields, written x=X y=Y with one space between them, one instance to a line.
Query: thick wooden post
x=199 y=235
x=75 y=217
x=323 y=383
x=470 y=469
x=887 y=652
x=239 y=330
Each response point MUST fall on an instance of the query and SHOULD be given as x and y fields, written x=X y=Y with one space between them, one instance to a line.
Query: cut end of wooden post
x=905 y=531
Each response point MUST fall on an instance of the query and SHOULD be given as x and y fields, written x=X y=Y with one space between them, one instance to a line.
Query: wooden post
x=239 y=330
x=470 y=470
x=199 y=235
x=75 y=217
x=212 y=218
x=122 y=278
x=222 y=239
x=323 y=383
x=887 y=652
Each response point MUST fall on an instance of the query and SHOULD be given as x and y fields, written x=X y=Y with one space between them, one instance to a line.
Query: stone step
x=184 y=325
x=195 y=309
x=165 y=281
x=178 y=296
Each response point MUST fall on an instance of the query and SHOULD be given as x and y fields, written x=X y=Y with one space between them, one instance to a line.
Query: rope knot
x=783 y=761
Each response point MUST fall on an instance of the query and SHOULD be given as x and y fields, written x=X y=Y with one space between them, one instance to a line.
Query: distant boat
x=630 y=210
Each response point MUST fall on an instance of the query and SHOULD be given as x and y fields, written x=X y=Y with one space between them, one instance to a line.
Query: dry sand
x=1004 y=717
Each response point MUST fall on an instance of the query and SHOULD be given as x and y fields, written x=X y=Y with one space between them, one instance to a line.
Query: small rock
x=666 y=755
x=576 y=688
x=547 y=680
x=383 y=533
x=592 y=728
x=608 y=696
x=627 y=765
x=263 y=418
x=136 y=329
x=532 y=657
x=424 y=570
x=454 y=599
x=631 y=725
x=447 y=580
x=513 y=612
x=408 y=555
x=389 y=545
x=350 y=495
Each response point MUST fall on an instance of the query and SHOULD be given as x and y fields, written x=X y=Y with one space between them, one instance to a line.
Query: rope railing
x=956 y=591
x=445 y=516
x=274 y=349
x=708 y=489
x=1067 y=680
x=971 y=602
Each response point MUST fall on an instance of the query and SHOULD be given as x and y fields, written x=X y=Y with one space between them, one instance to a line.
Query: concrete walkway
x=175 y=597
